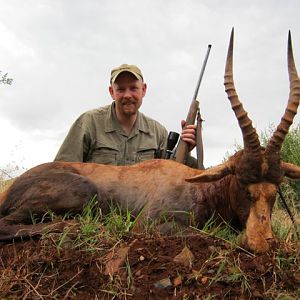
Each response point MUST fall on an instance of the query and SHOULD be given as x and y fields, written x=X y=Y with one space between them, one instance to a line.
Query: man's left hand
x=188 y=134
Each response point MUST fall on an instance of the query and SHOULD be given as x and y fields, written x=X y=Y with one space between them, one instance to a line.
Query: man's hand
x=188 y=134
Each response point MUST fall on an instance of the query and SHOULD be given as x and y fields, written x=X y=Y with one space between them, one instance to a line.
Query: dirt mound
x=196 y=266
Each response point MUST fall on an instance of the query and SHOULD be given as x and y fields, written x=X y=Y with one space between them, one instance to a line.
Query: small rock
x=163 y=283
x=204 y=280
x=116 y=261
x=297 y=277
x=177 y=281
x=257 y=294
x=185 y=257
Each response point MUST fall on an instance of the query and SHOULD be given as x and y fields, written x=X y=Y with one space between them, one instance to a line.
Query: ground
x=139 y=266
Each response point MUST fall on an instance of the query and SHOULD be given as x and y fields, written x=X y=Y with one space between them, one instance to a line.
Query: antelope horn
x=250 y=137
x=282 y=129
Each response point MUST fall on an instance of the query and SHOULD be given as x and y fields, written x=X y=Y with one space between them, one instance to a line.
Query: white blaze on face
x=258 y=226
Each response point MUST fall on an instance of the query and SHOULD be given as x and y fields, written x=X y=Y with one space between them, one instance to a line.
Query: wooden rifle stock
x=199 y=142
x=183 y=147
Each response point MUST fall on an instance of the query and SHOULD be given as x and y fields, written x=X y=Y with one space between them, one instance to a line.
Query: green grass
x=93 y=228
x=117 y=225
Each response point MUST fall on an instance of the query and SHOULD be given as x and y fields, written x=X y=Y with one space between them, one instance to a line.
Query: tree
x=4 y=79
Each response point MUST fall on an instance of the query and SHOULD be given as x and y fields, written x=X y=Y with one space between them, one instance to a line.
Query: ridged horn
x=250 y=137
x=282 y=129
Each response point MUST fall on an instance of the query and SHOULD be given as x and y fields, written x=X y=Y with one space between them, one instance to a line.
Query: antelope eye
x=253 y=193
x=249 y=194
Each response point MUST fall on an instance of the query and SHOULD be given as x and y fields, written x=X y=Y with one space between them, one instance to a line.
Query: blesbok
x=242 y=190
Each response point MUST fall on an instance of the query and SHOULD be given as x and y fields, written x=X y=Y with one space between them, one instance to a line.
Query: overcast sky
x=60 y=53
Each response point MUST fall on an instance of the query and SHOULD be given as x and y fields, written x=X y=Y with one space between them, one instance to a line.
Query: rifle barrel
x=182 y=147
x=201 y=73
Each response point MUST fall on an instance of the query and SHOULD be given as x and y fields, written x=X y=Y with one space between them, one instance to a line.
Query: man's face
x=128 y=93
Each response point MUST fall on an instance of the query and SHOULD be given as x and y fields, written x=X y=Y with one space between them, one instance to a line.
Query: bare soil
x=195 y=266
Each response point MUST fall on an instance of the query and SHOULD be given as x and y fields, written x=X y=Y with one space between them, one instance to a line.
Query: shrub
x=290 y=152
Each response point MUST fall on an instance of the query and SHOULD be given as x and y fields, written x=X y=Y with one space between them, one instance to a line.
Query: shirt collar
x=112 y=124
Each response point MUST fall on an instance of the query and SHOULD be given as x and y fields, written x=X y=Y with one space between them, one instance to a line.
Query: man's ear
x=111 y=91
x=144 y=89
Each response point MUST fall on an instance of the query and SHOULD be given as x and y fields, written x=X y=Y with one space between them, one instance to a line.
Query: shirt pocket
x=146 y=152
x=143 y=155
x=105 y=154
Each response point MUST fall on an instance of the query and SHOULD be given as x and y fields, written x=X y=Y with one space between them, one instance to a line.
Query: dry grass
x=4 y=184
x=73 y=265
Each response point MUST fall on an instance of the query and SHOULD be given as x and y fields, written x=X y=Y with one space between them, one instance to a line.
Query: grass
x=118 y=225
x=230 y=272
x=93 y=228
x=5 y=183
x=94 y=233
x=89 y=228
x=283 y=227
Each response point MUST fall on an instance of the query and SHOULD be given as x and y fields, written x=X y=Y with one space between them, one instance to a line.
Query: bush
x=290 y=152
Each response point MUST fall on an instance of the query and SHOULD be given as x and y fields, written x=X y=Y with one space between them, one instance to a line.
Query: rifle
x=182 y=148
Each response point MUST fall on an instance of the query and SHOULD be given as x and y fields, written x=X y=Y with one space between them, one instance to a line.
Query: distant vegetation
x=290 y=152
x=4 y=79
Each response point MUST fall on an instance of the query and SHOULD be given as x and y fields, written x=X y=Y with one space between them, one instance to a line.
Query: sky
x=60 y=54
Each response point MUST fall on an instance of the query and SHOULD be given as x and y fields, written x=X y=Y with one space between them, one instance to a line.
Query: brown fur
x=241 y=191
x=155 y=187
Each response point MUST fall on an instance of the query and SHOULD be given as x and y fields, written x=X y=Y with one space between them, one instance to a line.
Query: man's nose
x=127 y=93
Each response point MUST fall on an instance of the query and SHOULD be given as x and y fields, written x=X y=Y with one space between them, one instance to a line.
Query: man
x=118 y=134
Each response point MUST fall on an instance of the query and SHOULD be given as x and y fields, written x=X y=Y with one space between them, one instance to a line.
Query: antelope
x=241 y=190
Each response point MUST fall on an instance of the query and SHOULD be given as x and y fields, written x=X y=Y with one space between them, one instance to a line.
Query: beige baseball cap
x=125 y=68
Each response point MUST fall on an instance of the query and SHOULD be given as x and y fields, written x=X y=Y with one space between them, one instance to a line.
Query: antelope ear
x=290 y=170
x=212 y=174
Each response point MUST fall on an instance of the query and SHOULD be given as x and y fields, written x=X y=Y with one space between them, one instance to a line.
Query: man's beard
x=129 y=107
